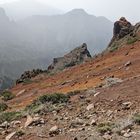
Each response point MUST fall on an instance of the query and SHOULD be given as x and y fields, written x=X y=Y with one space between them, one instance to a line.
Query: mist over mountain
x=33 y=42
x=25 y=8
x=61 y=33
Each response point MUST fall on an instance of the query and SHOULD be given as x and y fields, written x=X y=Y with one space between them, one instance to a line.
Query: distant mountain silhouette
x=64 y=32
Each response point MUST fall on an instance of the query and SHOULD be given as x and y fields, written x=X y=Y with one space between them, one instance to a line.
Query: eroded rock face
x=127 y=35
x=76 y=56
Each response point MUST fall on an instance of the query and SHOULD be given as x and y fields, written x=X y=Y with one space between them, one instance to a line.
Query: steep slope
x=88 y=75
x=85 y=76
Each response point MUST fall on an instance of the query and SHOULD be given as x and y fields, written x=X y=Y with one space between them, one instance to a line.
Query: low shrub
x=20 y=133
x=131 y=40
x=40 y=104
x=114 y=48
x=54 y=98
x=7 y=95
x=10 y=116
x=3 y=107
x=105 y=127
x=27 y=81
x=136 y=119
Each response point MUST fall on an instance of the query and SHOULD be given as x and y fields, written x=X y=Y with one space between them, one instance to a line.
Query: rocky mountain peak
x=77 y=12
x=76 y=56
x=128 y=34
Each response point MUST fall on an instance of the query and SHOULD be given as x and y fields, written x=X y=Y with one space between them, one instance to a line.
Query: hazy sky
x=111 y=9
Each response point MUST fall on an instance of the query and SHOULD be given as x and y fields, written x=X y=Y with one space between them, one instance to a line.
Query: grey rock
x=90 y=106
x=127 y=64
x=54 y=131
x=76 y=56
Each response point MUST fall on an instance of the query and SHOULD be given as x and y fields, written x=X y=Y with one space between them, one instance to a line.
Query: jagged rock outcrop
x=76 y=56
x=28 y=75
x=128 y=35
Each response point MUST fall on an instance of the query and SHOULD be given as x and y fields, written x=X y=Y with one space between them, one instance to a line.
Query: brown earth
x=115 y=103
x=81 y=77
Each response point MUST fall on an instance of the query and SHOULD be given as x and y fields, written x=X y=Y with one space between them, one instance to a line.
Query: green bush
x=3 y=107
x=73 y=93
x=7 y=95
x=35 y=107
x=136 y=119
x=27 y=81
x=10 y=116
x=54 y=98
x=40 y=103
x=20 y=133
x=105 y=127
x=113 y=48
x=131 y=40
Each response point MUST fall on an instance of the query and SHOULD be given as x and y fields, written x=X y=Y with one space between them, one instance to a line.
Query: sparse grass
x=54 y=98
x=113 y=48
x=3 y=107
x=27 y=81
x=20 y=133
x=10 y=116
x=131 y=40
x=72 y=93
x=50 y=99
x=105 y=127
x=35 y=107
x=7 y=95
x=136 y=119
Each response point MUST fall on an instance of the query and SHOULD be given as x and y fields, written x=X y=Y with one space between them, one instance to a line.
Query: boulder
x=90 y=106
x=54 y=131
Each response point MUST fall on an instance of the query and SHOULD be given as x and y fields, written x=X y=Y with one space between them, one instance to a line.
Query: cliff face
x=129 y=37
x=76 y=56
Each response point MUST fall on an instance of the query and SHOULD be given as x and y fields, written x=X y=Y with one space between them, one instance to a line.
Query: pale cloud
x=6 y=1
x=112 y=9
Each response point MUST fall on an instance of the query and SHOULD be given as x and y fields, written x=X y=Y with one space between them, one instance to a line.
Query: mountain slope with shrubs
x=98 y=99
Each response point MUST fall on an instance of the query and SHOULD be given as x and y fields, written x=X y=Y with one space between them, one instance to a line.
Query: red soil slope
x=85 y=76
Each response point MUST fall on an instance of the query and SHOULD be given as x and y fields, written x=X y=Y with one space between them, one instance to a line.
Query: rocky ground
x=105 y=112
